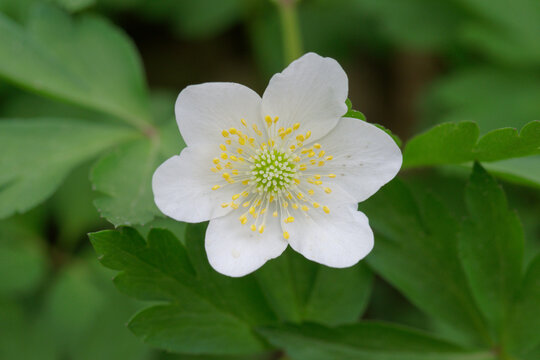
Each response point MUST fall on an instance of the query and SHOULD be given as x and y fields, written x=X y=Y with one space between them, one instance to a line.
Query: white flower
x=286 y=169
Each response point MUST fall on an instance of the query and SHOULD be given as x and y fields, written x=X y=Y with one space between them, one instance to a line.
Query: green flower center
x=273 y=170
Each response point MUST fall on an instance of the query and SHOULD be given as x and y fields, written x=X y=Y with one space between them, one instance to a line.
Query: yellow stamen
x=286 y=235
x=326 y=209
x=215 y=187
x=225 y=133
x=327 y=190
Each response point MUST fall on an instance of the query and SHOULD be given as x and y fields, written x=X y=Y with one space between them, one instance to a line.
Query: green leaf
x=124 y=176
x=523 y=171
x=523 y=331
x=491 y=247
x=301 y=290
x=208 y=313
x=37 y=154
x=416 y=250
x=364 y=341
x=454 y=143
x=88 y=62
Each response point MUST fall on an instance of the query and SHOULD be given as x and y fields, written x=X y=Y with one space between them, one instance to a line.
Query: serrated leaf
x=301 y=290
x=37 y=154
x=455 y=143
x=201 y=300
x=124 y=178
x=364 y=341
x=416 y=250
x=87 y=61
x=491 y=247
x=523 y=331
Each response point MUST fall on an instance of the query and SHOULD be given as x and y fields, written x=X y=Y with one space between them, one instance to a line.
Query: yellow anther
x=253 y=227
x=317 y=146
x=228 y=165
x=299 y=144
x=246 y=204
x=226 y=175
x=297 y=181
x=295 y=206
x=286 y=235
x=251 y=140
x=258 y=203
x=276 y=119
x=268 y=120
x=308 y=134
x=214 y=170
x=252 y=210
x=311 y=192
x=219 y=167
x=263 y=211
x=224 y=205
x=234 y=172
x=223 y=147
x=292 y=147
x=215 y=187
x=285 y=204
x=297 y=159
x=261 y=229
x=228 y=141
x=318 y=182
x=296 y=126
x=224 y=156
x=289 y=196
x=245 y=182
x=316 y=205
x=240 y=151
x=243 y=122
x=234 y=205
x=321 y=154
x=327 y=190
x=290 y=219
x=272 y=198
x=274 y=214
x=302 y=167
x=332 y=175
x=225 y=133
x=232 y=131
x=216 y=161
x=300 y=138
x=300 y=196
x=321 y=163
x=305 y=208
x=244 y=193
x=312 y=161
x=328 y=158
x=326 y=209
x=242 y=141
x=311 y=153
x=233 y=158
x=317 y=177
x=243 y=219
x=288 y=131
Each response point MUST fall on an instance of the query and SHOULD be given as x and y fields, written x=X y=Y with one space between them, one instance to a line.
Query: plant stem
x=292 y=42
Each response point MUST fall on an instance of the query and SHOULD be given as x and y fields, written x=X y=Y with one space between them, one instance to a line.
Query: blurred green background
x=411 y=64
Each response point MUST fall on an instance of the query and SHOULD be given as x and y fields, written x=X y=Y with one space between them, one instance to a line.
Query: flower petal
x=311 y=91
x=364 y=157
x=339 y=239
x=203 y=111
x=182 y=187
x=234 y=250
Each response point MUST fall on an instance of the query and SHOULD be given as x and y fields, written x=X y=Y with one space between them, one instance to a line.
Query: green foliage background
x=87 y=89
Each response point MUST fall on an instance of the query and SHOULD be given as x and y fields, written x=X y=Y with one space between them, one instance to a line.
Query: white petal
x=204 y=111
x=339 y=239
x=311 y=91
x=234 y=250
x=183 y=184
x=364 y=157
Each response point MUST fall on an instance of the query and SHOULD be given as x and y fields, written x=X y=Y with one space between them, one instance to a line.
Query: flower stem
x=292 y=42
